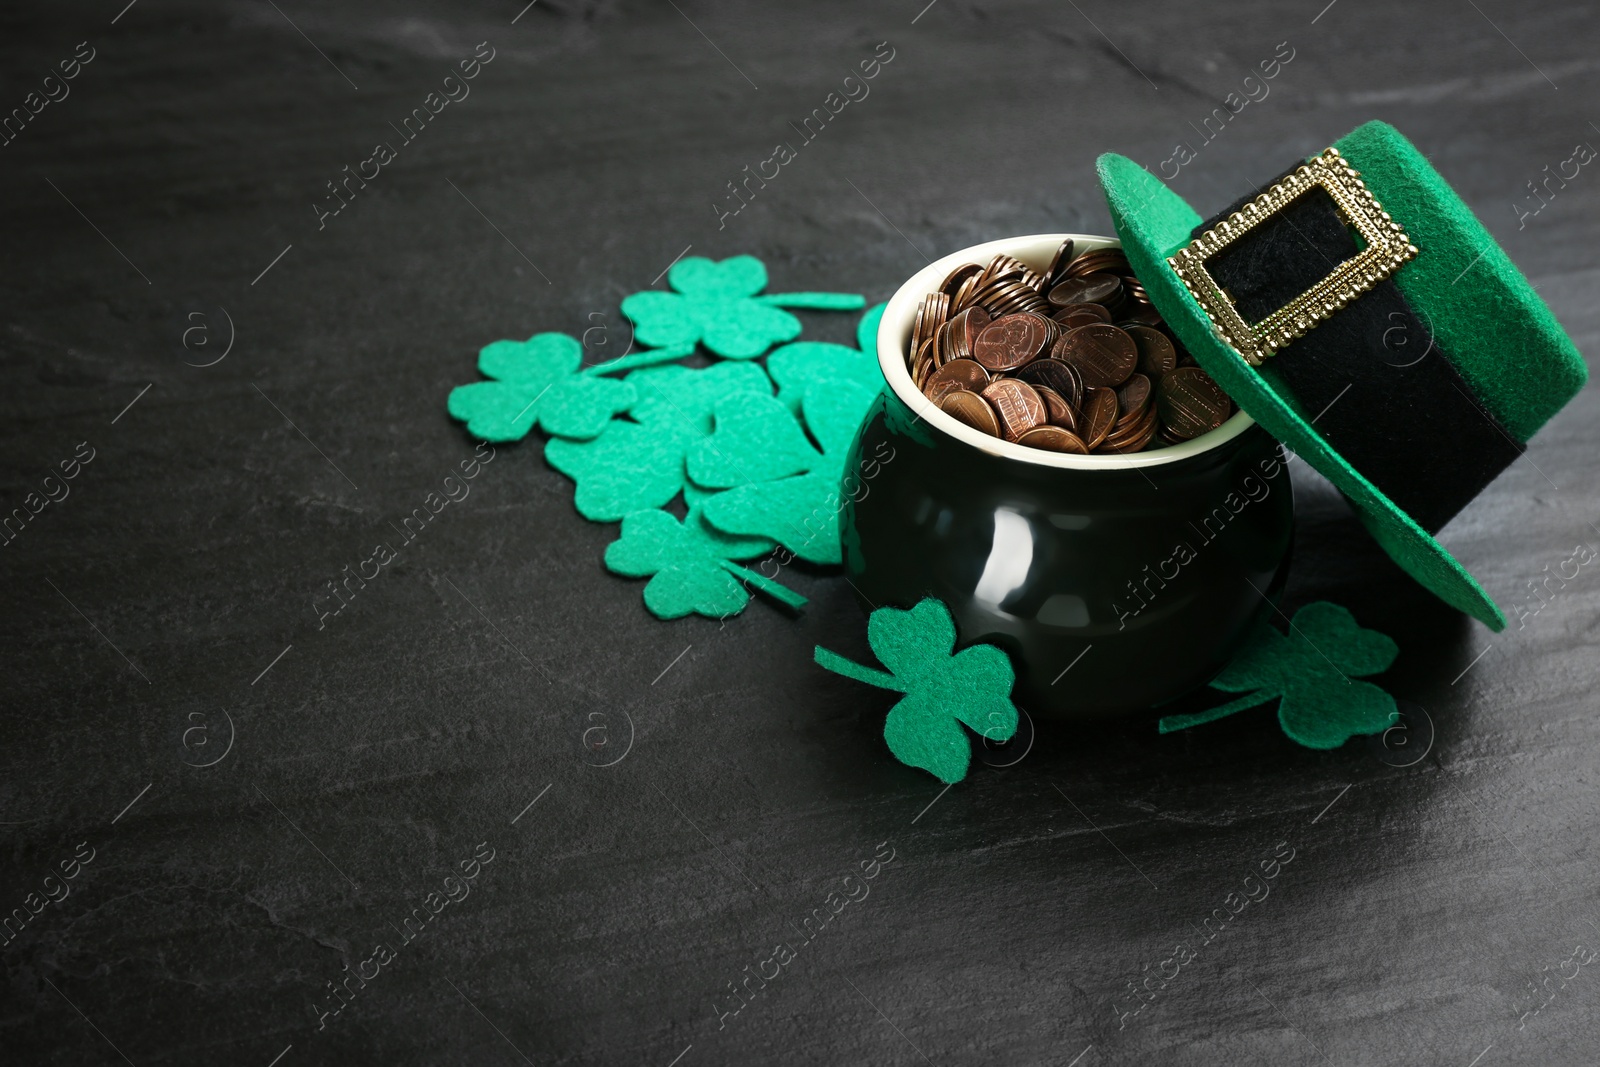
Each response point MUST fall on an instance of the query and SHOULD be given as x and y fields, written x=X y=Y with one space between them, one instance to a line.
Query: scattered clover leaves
x=716 y=304
x=1309 y=670
x=796 y=367
x=943 y=688
x=779 y=486
x=690 y=565
x=627 y=442
x=639 y=464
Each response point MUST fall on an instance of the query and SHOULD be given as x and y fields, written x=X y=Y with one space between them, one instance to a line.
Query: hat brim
x=1154 y=222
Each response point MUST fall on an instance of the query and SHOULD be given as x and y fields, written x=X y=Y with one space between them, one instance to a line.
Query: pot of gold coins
x=1049 y=462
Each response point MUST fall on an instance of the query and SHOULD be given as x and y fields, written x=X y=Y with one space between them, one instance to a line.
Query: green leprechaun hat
x=1358 y=311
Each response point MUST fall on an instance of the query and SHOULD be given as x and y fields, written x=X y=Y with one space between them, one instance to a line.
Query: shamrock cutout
x=779 y=485
x=716 y=304
x=538 y=380
x=691 y=565
x=941 y=690
x=1308 y=669
x=797 y=366
x=634 y=465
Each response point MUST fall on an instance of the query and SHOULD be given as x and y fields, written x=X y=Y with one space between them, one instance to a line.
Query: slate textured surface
x=1428 y=909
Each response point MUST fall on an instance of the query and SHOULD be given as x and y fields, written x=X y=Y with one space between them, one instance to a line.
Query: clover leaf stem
x=1173 y=723
x=647 y=358
x=817 y=301
x=836 y=663
x=776 y=591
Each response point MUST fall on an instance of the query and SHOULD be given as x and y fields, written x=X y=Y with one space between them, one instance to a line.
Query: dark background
x=1422 y=903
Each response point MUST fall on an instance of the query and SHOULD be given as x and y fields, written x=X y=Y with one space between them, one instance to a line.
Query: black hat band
x=1370 y=377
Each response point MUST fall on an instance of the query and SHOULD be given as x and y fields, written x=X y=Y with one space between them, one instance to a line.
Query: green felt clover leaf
x=796 y=367
x=717 y=305
x=639 y=464
x=941 y=690
x=778 y=484
x=690 y=566
x=538 y=381
x=1309 y=669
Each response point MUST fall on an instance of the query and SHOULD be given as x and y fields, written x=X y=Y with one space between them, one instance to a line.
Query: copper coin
x=1099 y=415
x=1075 y=395
x=1087 y=289
x=1191 y=403
x=963 y=298
x=1133 y=395
x=1009 y=297
x=1058 y=261
x=1009 y=342
x=971 y=409
x=922 y=364
x=941 y=346
x=1123 y=429
x=931 y=313
x=1103 y=354
x=1156 y=354
x=1143 y=426
x=1018 y=406
x=1056 y=375
x=1135 y=438
x=1144 y=315
x=1072 y=320
x=972 y=320
x=938 y=310
x=1087 y=312
x=1120 y=305
x=1057 y=411
x=961 y=331
x=1053 y=331
x=988 y=298
x=953 y=281
x=1002 y=266
x=1106 y=260
x=942 y=311
x=1054 y=439
x=957 y=374
x=1135 y=290
x=1080 y=315
x=1130 y=423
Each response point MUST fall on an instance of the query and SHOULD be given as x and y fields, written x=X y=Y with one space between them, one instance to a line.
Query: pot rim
x=894 y=333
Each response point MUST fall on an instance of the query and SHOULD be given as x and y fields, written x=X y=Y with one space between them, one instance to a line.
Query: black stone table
x=250 y=386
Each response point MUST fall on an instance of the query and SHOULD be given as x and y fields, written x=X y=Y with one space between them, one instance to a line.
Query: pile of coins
x=1075 y=359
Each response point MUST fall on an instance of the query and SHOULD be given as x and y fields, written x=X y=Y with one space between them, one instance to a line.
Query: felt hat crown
x=1360 y=313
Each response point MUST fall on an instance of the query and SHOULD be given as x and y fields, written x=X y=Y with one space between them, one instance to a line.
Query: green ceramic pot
x=1116 y=583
